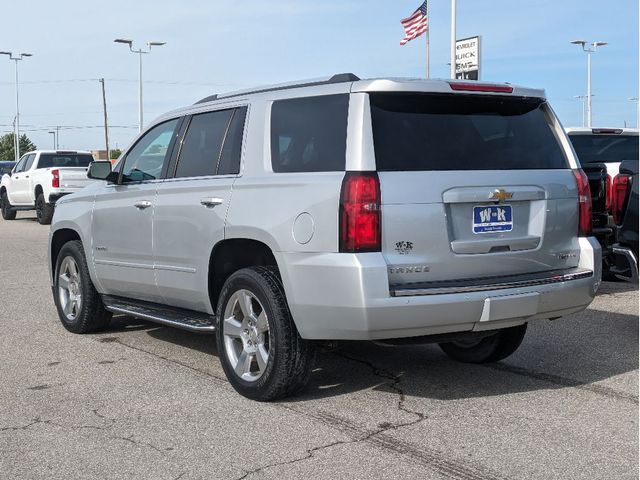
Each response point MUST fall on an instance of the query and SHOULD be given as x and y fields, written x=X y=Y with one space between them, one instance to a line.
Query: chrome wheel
x=69 y=288
x=246 y=335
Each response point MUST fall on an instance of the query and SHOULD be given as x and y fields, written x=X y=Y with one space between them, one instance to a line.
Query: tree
x=115 y=153
x=7 y=146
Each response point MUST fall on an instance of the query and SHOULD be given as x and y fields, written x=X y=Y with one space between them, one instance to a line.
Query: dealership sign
x=468 y=58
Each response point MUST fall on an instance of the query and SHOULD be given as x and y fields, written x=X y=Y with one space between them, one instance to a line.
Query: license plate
x=492 y=219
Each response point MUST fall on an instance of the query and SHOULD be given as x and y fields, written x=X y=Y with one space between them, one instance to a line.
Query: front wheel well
x=59 y=238
x=230 y=256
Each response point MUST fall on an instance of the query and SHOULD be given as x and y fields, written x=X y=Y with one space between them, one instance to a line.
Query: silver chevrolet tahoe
x=395 y=210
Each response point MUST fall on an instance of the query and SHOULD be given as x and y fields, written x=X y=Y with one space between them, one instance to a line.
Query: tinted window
x=29 y=162
x=202 y=143
x=144 y=161
x=6 y=167
x=21 y=162
x=309 y=134
x=463 y=132
x=605 y=148
x=230 y=158
x=49 y=160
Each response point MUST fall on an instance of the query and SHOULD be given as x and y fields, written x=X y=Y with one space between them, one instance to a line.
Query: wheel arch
x=232 y=254
x=58 y=239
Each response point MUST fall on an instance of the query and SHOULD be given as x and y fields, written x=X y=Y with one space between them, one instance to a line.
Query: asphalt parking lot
x=143 y=401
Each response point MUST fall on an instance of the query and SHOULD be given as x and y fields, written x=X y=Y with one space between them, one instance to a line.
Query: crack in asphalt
x=138 y=443
x=563 y=381
x=379 y=437
x=218 y=379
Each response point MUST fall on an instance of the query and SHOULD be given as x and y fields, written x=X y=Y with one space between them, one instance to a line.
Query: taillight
x=55 y=180
x=584 y=203
x=608 y=193
x=619 y=196
x=360 y=220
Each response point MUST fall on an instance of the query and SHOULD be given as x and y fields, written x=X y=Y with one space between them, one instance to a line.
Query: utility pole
x=16 y=58
x=57 y=137
x=106 y=124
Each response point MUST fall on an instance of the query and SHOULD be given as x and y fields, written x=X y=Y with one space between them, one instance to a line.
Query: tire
x=79 y=305
x=489 y=349
x=7 y=212
x=44 y=210
x=267 y=333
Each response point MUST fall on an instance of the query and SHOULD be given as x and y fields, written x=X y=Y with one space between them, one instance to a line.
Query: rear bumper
x=624 y=264
x=338 y=296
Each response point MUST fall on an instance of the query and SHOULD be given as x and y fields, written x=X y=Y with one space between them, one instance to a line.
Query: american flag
x=415 y=24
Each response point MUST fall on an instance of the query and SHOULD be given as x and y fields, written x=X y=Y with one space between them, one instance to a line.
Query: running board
x=163 y=314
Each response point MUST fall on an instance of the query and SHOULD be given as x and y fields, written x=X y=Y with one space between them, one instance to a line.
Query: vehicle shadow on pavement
x=578 y=351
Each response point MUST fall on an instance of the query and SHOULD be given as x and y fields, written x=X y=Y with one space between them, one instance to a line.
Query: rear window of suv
x=463 y=132
x=604 y=148
x=309 y=134
x=48 y=160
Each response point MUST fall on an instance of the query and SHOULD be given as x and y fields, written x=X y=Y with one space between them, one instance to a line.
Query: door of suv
x=191 y=207
x=122 y=222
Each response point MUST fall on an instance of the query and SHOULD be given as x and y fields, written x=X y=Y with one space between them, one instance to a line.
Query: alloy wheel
x=70 y=288
x=246 y=335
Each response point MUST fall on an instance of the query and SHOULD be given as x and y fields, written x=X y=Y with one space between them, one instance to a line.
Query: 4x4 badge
x=500 y=195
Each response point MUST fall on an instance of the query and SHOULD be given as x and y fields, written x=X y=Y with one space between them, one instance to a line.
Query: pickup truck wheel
x=488 y=349
x=7 y=212
x=44 y=210
x=79 y=305
x=261 y=352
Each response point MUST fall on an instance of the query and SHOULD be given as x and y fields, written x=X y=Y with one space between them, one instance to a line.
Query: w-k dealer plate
x=492 y=219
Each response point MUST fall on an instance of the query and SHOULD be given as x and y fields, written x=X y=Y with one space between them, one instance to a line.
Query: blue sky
x=221 y=45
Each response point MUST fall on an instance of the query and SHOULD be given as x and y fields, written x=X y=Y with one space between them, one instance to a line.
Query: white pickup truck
x=40 y=178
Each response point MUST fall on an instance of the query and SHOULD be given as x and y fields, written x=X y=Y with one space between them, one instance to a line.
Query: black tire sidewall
x=248 y=279
x=7 y=214
x=43 y=210
x=73 y=249
x=490 y=349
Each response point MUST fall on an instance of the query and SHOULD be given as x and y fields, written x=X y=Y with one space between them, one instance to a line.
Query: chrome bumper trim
x=495 y=283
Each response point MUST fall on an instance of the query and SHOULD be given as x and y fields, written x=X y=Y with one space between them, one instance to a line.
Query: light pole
x=16 y=57
x=593 y=46
x=139 y=51
x=635 y=99
x=54 y=138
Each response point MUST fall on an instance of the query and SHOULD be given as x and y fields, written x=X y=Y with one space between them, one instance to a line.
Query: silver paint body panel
x=161 y=253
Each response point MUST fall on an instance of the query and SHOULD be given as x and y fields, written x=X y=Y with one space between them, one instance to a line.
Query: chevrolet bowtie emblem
x=500 y=195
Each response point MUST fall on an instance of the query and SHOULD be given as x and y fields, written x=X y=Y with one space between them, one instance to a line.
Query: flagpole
x=427 y=35
x=453 y=39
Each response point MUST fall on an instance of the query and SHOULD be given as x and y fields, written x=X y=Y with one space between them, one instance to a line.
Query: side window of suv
x=309 y=134
x=202 y=144
x=145 y=160
x=230 y=158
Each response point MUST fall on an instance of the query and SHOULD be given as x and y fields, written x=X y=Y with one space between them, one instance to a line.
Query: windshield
x=605 y=148
x=463 y=132
x=48 y=160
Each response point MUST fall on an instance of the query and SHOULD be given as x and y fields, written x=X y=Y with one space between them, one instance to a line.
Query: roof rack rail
x=337 y=78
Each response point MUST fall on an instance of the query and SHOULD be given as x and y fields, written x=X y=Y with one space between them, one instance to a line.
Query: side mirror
x=100 y=170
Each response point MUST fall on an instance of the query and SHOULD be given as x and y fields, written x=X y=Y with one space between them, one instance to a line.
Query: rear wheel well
x=3 y=190
x=59 y=238
x=230 y=256
x=37 y=191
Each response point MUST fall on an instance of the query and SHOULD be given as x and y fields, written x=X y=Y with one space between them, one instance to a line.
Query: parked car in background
x=40 y=179
x=6 y=167
x=601 y=152
x=394 y=210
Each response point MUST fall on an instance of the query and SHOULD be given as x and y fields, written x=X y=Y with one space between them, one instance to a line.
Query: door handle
x=26 y=176
x=211 y=202
x=142 y=205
